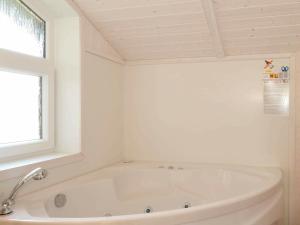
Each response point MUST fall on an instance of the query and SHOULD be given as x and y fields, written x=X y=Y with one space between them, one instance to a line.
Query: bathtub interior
x=128 y=191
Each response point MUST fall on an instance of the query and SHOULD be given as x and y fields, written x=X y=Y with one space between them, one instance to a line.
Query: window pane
x=20 y=108
x=21 y=29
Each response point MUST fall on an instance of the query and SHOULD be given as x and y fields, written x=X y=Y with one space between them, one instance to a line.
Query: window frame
x=16 y=62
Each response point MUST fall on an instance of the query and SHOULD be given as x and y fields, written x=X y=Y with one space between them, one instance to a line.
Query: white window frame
x=43 y=67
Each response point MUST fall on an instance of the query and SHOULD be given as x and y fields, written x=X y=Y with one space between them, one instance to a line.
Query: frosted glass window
x=21 y=108
x=21 y=29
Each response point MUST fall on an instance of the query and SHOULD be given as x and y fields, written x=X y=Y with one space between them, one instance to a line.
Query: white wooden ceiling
x=165 y=29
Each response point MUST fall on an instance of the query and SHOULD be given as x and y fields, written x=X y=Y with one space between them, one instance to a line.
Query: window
x=21 y=108
x=26 y=81
x=22 y=30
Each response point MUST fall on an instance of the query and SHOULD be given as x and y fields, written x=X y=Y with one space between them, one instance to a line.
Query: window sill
x=12 y=169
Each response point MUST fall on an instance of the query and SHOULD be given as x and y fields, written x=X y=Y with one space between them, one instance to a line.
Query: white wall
x=67 y=85
x=102 y=110
x=296 y=193
x=202 y=112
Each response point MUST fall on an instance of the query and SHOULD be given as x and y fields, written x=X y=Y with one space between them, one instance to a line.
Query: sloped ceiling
x=165 y=29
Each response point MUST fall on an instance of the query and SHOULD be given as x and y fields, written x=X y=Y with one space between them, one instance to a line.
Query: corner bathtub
x=157 y=194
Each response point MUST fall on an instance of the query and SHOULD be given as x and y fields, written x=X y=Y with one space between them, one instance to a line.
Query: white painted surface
x=102 y=127
x=202 y=112
x=67 y=85
x=218 y=195
x=160 y=29
x=296 y=194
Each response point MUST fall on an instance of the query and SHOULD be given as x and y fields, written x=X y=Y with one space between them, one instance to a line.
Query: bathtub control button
x=187 y=205
x=60 y=200
x=171 y=167
x=148 y=209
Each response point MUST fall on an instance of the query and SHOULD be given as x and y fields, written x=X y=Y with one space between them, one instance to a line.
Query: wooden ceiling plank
x=166 y=20
x=182 y=29
x=261 y=11
x=201 y=25
x=113 y=5
x=166 y=46
x=267 y=49
x=259 y=22
x=143 y=43
x=233 y=4
x=274 y=40
x=213 y=26
x=163 y=38
x=170 y=55
x=262 y=32
x=143 y=12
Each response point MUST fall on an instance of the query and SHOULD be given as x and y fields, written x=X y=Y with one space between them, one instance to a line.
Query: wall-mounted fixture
x=36 y=174
x=276 y=89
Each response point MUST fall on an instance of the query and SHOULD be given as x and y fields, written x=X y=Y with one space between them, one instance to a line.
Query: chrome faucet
x=36 y=174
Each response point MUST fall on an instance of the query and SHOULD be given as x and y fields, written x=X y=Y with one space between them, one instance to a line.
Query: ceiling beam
x=210 y=14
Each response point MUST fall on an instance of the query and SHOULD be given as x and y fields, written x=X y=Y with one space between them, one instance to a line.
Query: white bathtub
x=119 y=195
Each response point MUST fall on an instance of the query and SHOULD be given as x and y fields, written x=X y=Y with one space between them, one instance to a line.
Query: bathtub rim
x=237 y=203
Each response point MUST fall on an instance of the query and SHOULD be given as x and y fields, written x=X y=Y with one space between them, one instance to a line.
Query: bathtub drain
x=60 y=200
